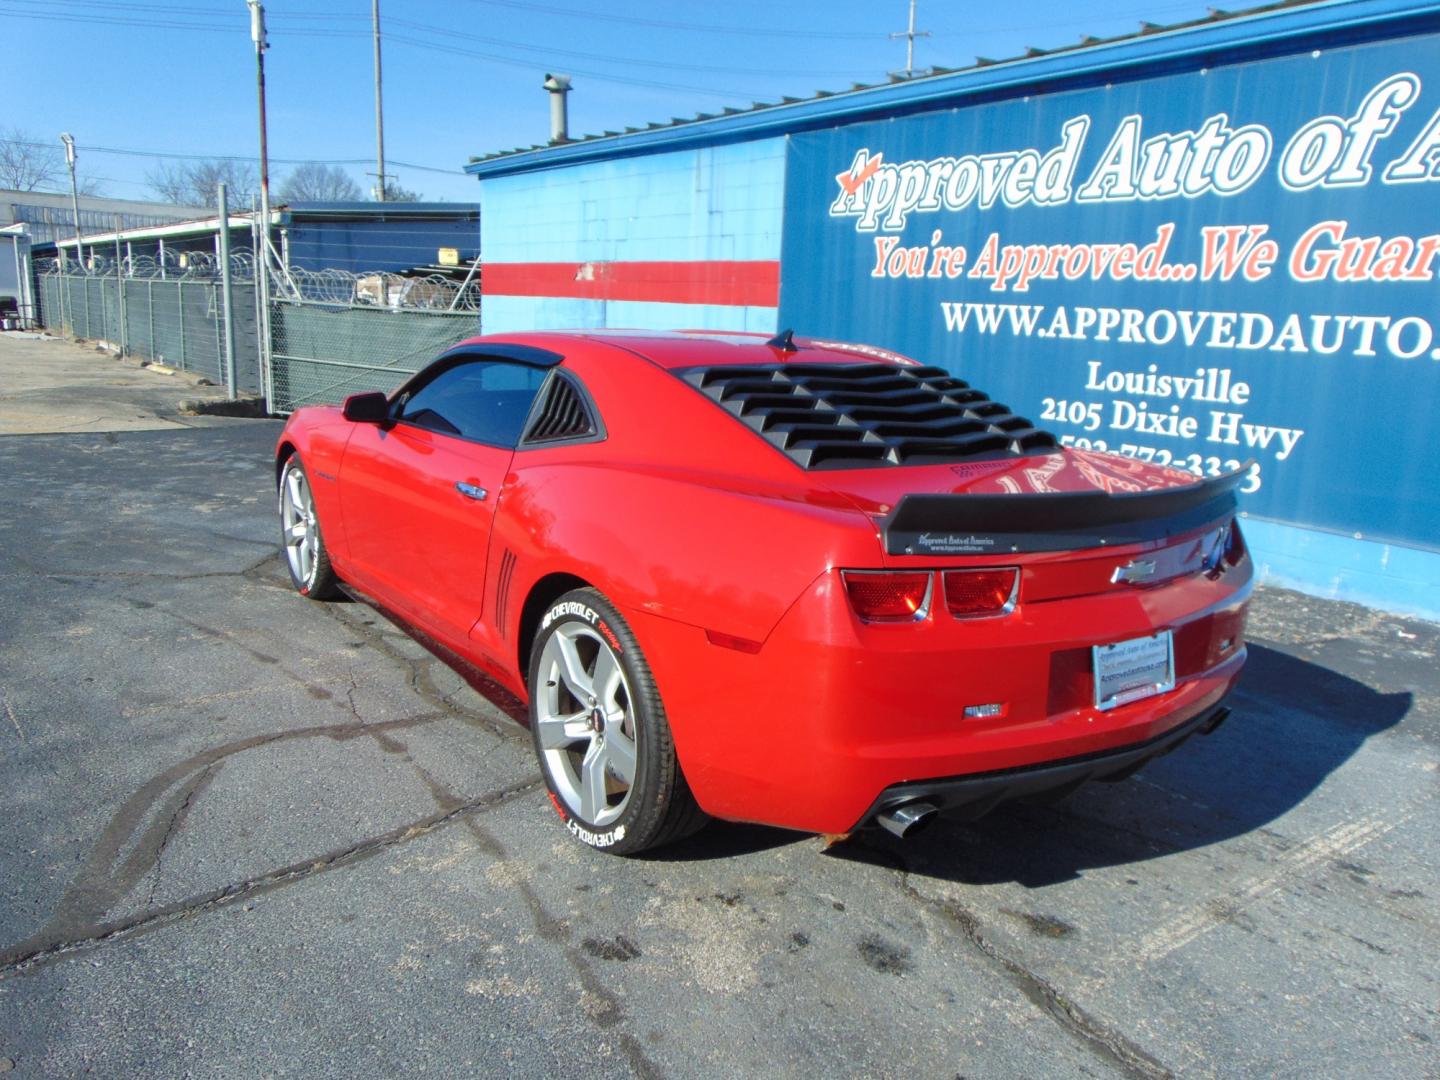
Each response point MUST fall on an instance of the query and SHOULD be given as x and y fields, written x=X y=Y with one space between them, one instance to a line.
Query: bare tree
x=194 y=183
x=30 y=163
x=314 y=182
x=395 y=193
x=27 y=163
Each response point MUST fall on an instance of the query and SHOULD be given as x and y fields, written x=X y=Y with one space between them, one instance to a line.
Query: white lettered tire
x=600 y=731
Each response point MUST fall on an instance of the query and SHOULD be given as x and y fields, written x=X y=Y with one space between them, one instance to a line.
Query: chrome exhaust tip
x=906 y=820
x=1218 y=717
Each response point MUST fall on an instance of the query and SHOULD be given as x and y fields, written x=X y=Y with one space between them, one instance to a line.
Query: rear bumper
x=830 y=714
x=971 y=797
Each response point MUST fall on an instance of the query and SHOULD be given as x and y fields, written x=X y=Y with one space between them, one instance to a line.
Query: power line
x=169 y=9
x=589 y=74
x=332 y=15
x=524 y=5
x=628 y=61
x=51 y=16
x=665 y=24
x=162 y=24
x=970 y=31
x=1136 y=13
x=242 y=158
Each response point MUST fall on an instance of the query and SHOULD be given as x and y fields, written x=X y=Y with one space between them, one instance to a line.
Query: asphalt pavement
x=50 y=385
x=244 y=832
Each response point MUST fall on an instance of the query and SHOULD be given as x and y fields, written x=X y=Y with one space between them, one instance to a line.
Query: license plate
x=1127 y=671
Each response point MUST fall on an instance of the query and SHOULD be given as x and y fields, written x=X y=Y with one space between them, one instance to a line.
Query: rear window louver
x=844 y=416
x=562 y=416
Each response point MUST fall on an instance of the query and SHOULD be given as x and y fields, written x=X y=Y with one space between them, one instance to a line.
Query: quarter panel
x=680 y=510
x=699 y=549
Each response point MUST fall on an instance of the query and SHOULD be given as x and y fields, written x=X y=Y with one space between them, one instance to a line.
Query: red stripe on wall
x=734 y=284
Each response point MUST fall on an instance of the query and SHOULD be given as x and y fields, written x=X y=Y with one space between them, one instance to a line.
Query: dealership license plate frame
x=1152 y=647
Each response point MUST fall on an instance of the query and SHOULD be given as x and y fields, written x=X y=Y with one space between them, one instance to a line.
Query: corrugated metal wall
x=360 y=246
x=687 y=239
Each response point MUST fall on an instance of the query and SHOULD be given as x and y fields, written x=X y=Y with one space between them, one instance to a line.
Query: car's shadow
x=1294 y=723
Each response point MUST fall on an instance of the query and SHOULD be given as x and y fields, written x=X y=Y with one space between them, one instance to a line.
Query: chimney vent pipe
x=558 y=86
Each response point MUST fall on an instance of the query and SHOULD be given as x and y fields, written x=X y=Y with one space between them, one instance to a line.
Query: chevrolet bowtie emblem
x=1133 y=572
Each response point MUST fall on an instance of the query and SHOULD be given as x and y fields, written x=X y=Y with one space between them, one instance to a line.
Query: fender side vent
x=563 y=415
x=846 y=416
x=502 y=592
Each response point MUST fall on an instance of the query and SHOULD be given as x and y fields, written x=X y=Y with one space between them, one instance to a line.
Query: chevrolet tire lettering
x=569 y=609
x=595 y=840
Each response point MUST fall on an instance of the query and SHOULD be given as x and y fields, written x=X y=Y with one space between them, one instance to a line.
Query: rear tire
x=600 y=731
x=300 y=536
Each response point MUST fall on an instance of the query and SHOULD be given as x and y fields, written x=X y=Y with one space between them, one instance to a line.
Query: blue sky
x=462 y=77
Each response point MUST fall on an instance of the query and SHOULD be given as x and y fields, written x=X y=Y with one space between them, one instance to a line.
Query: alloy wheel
x=586 y=723
x=298 y=526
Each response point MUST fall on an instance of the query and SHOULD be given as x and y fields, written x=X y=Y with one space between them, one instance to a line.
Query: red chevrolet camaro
x=789 y=581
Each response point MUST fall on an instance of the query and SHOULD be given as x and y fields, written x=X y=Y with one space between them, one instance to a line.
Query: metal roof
x=61 y=200
x=194 y=227
x=377 y=211
x=1220 y=37
x=286 y=215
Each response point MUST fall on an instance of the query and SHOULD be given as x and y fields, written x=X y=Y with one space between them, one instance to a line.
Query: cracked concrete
x=48 y=386
x=242 y=830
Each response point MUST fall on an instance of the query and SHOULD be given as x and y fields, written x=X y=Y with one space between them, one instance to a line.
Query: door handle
x=471 y=491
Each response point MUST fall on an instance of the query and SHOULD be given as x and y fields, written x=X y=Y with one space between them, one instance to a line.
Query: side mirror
x=371 y=408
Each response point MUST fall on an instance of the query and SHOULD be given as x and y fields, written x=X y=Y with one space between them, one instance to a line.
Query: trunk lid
x=877 y=491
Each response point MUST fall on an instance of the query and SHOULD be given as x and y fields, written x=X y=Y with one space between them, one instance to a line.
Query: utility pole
x=69 y=141
x=910 y=35
x=257 y=35
x=379 y=112
x=262 y=256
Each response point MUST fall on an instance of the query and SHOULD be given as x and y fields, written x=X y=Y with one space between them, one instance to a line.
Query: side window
x=484 y=400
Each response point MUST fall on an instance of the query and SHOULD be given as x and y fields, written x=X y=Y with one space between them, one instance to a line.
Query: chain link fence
x=323 y=352
x=175 y=322
x=331 y=332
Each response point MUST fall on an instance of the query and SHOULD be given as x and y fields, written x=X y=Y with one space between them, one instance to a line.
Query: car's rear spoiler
x=1010 y=524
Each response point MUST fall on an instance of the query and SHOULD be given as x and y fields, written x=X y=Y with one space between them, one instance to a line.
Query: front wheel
x=305 y=554
x=601 y=733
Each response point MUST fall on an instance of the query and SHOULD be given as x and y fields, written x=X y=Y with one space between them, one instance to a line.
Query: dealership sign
x=1200 y=269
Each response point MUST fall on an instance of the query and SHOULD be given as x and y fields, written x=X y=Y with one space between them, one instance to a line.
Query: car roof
x=672 y=349
x=825 y=404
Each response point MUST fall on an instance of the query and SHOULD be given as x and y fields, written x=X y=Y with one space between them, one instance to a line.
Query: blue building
x=1213 y=246
x=376 y=236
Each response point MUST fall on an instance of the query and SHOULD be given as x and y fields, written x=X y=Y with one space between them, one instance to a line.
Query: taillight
x=969 y=593
x=1227 y=549
x=883 y=596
